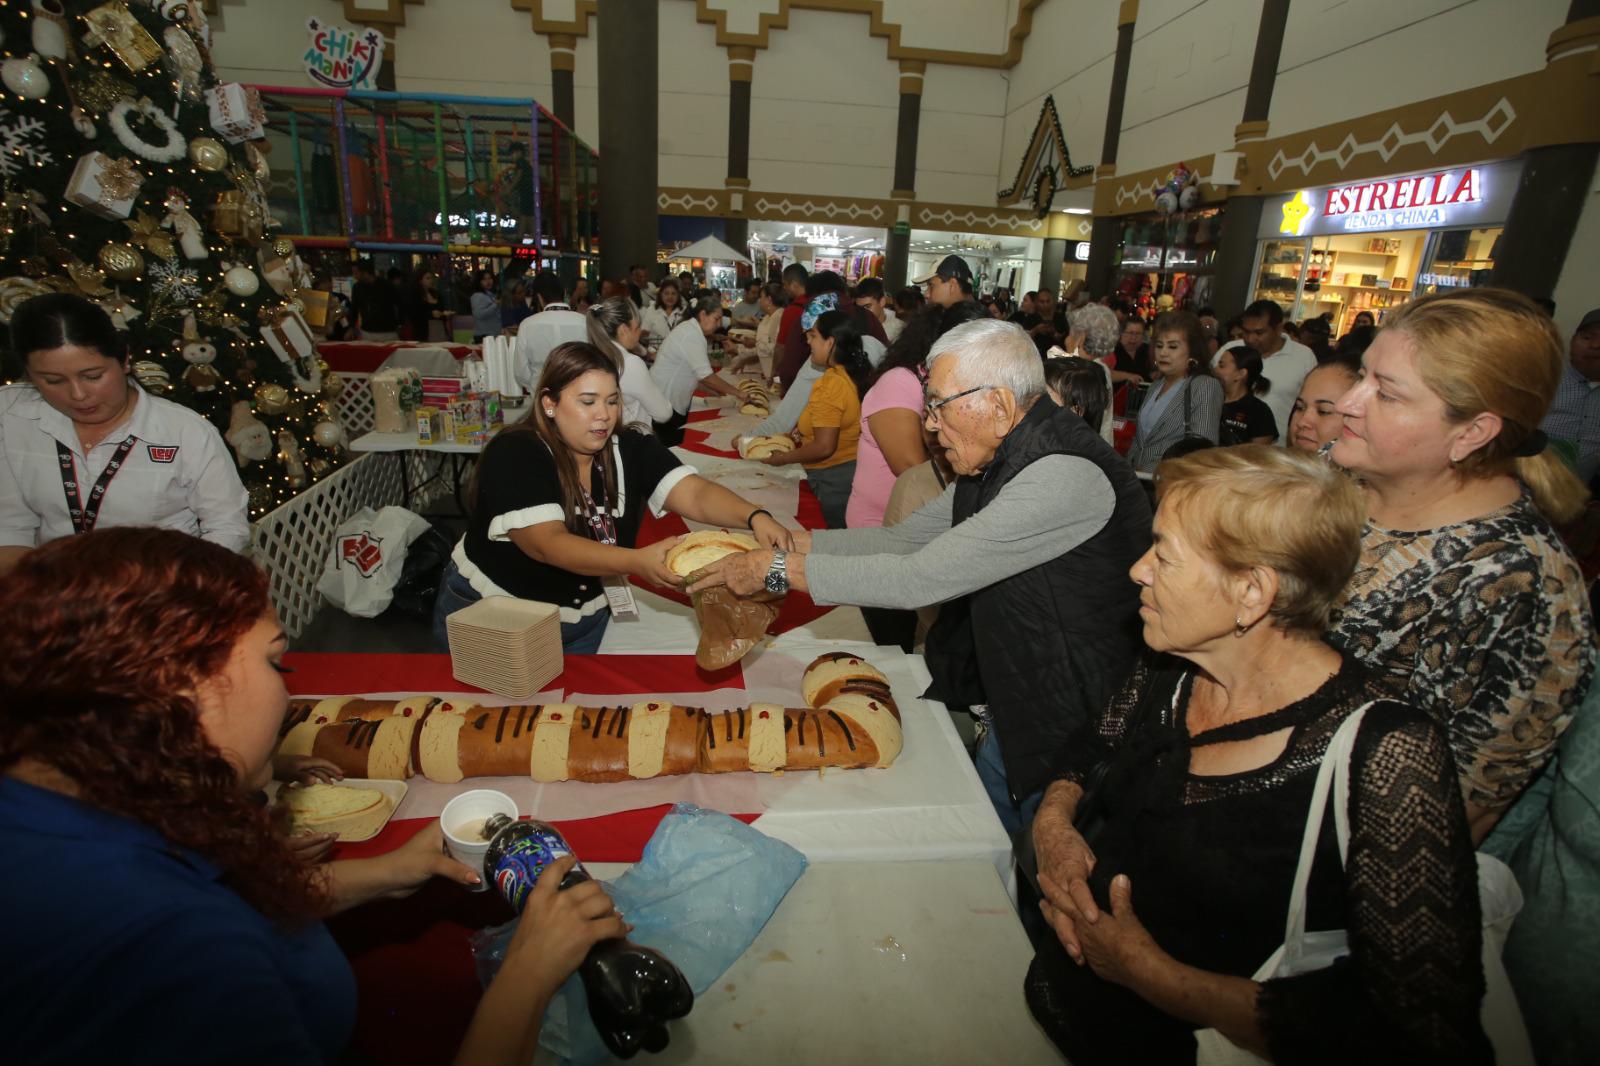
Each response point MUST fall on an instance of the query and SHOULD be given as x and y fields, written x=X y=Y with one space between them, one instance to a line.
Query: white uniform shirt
x=179 y=475
x=538 y=336
x=681 y=364
x=1286 y=369
x=642 y=402
x=658 y=323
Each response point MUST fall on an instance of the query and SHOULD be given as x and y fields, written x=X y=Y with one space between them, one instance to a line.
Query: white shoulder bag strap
x=1297 y=953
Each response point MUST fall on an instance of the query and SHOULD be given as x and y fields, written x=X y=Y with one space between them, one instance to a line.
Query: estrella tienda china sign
x=343 y=58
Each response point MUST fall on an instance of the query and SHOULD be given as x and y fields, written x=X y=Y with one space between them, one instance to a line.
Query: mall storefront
x=1372 y=245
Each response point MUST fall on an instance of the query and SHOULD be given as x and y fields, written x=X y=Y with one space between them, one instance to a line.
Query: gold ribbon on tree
x=119 y=180
x=147 y=234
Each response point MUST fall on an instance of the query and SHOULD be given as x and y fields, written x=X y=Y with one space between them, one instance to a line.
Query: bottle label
x=523 y=860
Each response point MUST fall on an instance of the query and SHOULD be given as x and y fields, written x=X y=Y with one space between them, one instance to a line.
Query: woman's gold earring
x=1239 y=628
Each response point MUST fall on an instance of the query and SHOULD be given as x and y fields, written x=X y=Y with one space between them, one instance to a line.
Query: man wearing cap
x=1574 y=419
x=950 y=283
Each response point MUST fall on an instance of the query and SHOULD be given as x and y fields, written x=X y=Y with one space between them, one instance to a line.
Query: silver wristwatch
x=778 y=573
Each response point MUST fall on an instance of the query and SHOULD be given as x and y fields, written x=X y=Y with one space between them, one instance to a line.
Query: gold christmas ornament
x=283 y=247
x=114 y=26
x=260 y=499
x=15 y=291
x=320 y=468
x=98 y=90
x=259 y=166
x=271 y=399
x=208 y=154
x=332 y=384
x=120 y=261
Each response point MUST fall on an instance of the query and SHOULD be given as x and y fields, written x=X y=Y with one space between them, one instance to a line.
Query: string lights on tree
x=130 y=175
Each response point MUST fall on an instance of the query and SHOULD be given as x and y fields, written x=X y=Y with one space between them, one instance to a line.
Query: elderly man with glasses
x=1033 y=540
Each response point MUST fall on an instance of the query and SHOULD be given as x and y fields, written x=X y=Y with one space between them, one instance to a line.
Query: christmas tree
x=132 y=177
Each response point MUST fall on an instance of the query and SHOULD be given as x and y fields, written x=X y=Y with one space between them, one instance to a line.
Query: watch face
x=777 y=583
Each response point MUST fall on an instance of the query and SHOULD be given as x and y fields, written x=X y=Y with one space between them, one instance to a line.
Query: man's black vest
x=1046 y=648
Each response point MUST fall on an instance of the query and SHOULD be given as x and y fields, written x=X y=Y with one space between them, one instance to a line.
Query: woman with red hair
x=154 y=912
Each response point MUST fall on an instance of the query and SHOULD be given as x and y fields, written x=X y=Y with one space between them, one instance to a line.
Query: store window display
x=1169 y=255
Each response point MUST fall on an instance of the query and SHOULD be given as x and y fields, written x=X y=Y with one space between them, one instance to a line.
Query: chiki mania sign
x=342 y=58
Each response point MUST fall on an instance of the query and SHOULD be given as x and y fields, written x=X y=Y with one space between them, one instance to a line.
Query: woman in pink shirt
x=891 y=414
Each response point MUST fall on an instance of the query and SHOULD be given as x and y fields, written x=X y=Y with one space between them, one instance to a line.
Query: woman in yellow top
x=830 y=426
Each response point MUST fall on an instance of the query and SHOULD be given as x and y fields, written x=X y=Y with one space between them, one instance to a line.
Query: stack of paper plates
x=510 y=647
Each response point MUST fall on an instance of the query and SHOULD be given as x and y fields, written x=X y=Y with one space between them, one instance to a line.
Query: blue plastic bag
x=700 y=894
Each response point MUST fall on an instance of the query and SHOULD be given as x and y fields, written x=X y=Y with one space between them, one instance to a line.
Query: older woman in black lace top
x=1168 y=846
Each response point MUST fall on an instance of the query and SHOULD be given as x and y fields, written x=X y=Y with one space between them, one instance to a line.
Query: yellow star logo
x=1294 y=214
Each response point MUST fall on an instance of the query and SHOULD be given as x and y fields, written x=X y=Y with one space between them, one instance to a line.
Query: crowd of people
x=1317 y=555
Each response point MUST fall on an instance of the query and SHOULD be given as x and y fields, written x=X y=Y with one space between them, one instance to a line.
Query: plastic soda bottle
x=633 y=991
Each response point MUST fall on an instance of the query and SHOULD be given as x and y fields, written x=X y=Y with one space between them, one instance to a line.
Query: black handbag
x=1190 y=441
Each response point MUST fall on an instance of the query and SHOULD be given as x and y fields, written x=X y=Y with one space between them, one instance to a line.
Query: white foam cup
x=474 y=806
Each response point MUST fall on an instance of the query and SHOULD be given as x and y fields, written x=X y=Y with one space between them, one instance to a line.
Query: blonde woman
x=1465 y=596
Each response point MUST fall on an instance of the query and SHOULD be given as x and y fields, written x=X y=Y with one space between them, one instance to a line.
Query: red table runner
x=695 y=439
x=415 y=976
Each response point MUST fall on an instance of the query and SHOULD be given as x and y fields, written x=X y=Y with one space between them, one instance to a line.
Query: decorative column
x=1103 y=240
x=563 y=60
x=1556 y=179
x=741 y=69
x=627 y=42
x=1054 y=252
x=1236 y=252
x=898 y=254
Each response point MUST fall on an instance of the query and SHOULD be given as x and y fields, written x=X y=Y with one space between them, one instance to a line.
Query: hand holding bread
x=652 y=565
x=743 y=575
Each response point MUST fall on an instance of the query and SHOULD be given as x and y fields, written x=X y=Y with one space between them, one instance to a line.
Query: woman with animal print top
x=1465 y=597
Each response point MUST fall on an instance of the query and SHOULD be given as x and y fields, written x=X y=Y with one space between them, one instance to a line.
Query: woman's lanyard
x=602 y=526
x=84 y=518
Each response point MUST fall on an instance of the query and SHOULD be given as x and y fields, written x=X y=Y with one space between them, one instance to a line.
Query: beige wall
x=825 y=90
x=1191 y=65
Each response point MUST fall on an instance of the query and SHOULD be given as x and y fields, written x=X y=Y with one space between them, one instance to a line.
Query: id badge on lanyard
x=619 y=594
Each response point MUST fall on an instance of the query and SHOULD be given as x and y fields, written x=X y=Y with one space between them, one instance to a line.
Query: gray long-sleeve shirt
x=794 y=401
x=1050 y=507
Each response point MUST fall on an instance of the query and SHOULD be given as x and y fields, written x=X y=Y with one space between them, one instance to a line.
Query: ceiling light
x=1078 y=210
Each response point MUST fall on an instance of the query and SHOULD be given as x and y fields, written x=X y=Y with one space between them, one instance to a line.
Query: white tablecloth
x=875 y=962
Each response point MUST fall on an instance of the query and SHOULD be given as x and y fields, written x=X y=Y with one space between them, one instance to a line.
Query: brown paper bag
x=730 y=625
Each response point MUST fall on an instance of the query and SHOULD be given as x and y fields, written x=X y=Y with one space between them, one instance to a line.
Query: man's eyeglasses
x=930 y=408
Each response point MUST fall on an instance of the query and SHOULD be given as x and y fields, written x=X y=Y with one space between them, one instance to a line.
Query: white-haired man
x=1035 y=538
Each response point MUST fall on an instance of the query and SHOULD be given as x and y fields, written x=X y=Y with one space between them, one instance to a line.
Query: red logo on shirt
x=361 y=551
x=162 y=453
